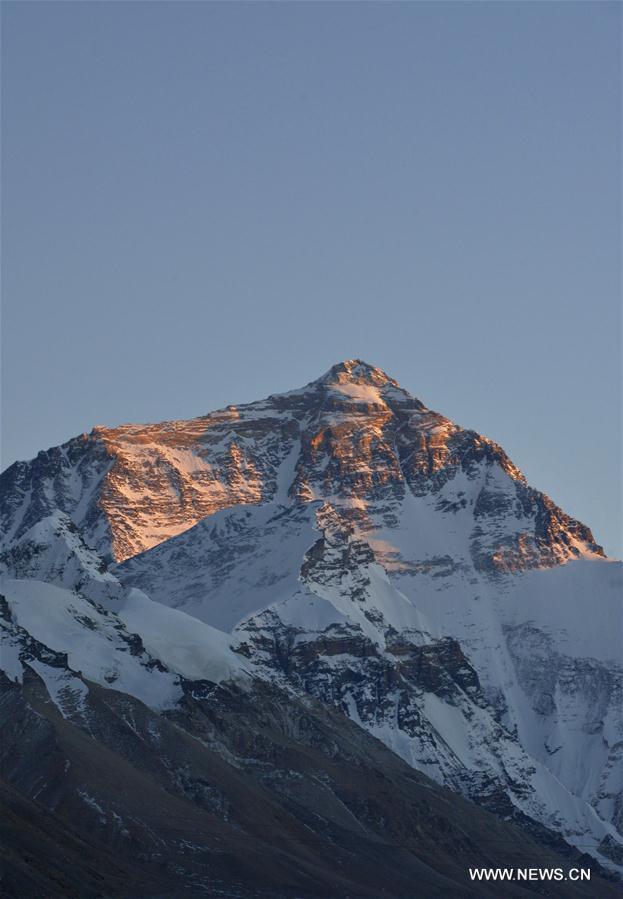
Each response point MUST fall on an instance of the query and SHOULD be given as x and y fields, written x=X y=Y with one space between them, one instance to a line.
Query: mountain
x=353 y=437
x=338 y=548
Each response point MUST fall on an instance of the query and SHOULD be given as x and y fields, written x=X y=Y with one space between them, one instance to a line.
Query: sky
x=205 y=203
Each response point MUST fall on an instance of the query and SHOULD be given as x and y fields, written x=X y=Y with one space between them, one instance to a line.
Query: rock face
x=234 y=793
x=346 y=547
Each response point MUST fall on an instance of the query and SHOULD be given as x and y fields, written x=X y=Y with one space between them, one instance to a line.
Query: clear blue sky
x=206 y=203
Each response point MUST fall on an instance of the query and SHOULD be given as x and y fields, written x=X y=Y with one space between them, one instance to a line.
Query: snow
x=381 y=598
x=185 y=645
x=66 y=691
x=17 y=519
x=56 y=552
x=66 y=622
x=9 y=655
x=287 y=473
x=358 y=393
x=580 y=605
x=232 y=564
x=307 y=610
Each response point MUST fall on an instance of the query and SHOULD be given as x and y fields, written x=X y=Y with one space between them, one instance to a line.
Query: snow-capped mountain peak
x=353 y=437
x=343 y=541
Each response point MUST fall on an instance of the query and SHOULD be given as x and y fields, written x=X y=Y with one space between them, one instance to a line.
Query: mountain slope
x=501 y=717
x=231 y=791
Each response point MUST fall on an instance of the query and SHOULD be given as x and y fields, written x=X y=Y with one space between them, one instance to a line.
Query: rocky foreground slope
x=340 y=555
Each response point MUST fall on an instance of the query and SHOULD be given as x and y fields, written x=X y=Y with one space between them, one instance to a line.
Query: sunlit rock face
x=354 y=438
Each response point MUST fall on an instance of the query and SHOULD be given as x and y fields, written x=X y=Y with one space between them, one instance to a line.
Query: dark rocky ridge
x=238 y=794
